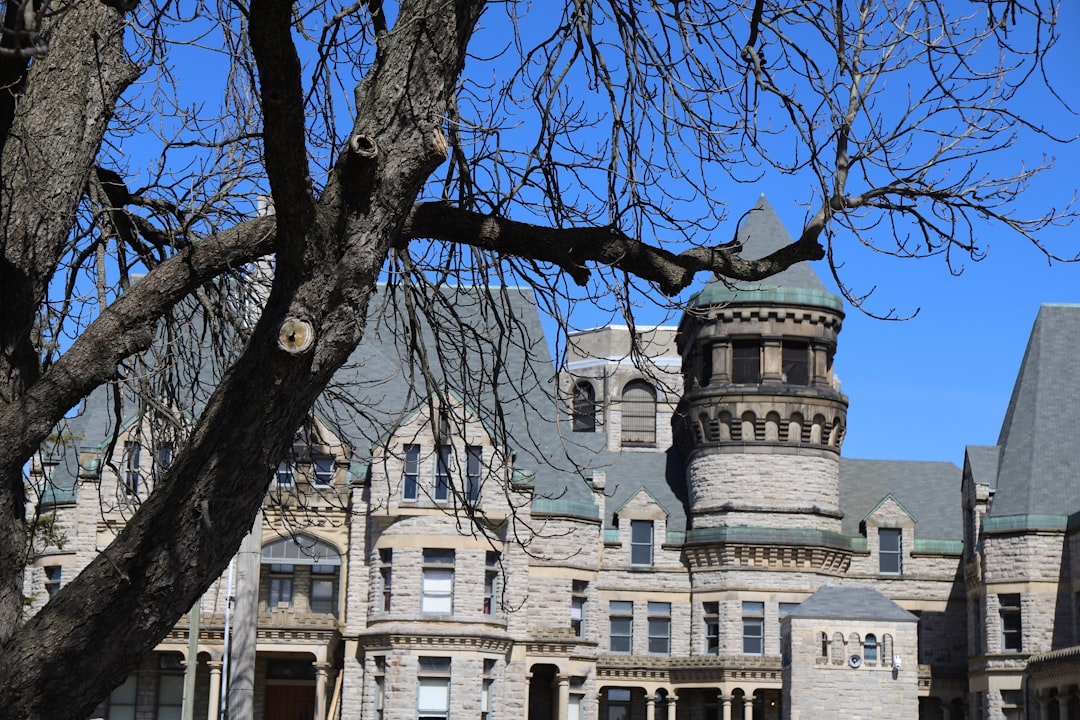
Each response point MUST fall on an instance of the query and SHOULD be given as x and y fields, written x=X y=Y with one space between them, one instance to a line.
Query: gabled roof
x=762 y=233
x=983 y=461
x=928 y=491
x=1039 y=467
x=851 y=603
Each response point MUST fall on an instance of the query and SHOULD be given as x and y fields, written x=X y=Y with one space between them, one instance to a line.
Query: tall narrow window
x=870 y=649
x=442 y=471
x=487 y=685
x=380 y=686
x=621 y=634
x=170 y=696
x=433 y=693
x=132 y=452
x=641 y=542
x=324 y=582
x=491 y=583
x=281 y=586
x=659 y=628
x=795 y=357
x=889 y=555
x=712 y=628
x=578 y=595
x=753 y=623
x=1011 y=622
x=584 y=407
x=474 y=457
x=410 y=477
x=745 y=361
x=52 y=580
x=163 y=457
x=639 y=414
x=323 y=470
x=386 y=575
x=437 y=581
x=284 y=476
x=123 y=699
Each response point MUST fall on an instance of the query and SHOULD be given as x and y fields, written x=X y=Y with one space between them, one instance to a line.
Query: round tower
x=762 y=418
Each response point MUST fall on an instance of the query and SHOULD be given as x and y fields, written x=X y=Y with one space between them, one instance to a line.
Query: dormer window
x=745 y=361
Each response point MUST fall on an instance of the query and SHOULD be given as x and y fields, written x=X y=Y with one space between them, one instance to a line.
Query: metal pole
x=188 y=709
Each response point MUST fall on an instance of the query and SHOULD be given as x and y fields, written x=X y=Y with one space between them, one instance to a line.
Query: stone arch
x=749 y=422
x=854 y=643
x=300 y=550
x=823 y=643
x=816 y=429
x=727 y=432
x=886 y=649
x=871 y=650
x=738 y=704
x=795 y=428
x=773 y=428
x=838 y=648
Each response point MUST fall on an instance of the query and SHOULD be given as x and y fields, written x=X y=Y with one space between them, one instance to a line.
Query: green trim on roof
x=1012 y=523
x=562 y=506
x=720 y=294
x=611 y=536
x=770 y=536
x=674 y=537
x=939 y=547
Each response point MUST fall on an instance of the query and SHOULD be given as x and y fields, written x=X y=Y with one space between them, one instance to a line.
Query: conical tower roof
x=762 y=233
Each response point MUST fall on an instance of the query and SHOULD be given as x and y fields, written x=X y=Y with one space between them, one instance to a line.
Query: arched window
x=870 y=649
x=320 y=562
x=584 y=408
x=639 y=414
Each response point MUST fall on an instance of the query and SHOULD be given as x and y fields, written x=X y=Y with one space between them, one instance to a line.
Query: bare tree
x=572 y=148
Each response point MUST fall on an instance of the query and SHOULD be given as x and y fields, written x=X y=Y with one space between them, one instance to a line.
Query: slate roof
x=761 y=233
x=851 y=603
x=1039 y=466
x=929 y=491
x=983 y=461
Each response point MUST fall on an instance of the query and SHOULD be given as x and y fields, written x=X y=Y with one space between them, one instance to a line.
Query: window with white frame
x=487 y=685
x=323 y=471
x=641 y=542
x=621 y=632
x=170 y=690
x=281 y=586
x=433 y=692
x=712 y=628
x=284 y=477
x=410 y=474
x=474 y=463
x=52 y=579
x=889 y=551
x=659 y=628
x=753 y=622
x=578 y=594
x=1011 y=622
x=324 y=584
x=437 y=581
x=123 y=700
x=443 y=459
x=491 y=582
x=380 y=686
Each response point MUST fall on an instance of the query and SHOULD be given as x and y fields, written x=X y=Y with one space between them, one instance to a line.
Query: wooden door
x=289 y=702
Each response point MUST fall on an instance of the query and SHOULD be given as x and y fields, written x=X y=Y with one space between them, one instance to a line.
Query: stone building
x=661 y=528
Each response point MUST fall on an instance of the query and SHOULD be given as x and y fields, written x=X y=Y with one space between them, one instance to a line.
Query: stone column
x=528 y=693
x=721 y=362
x=772 y=366
x=650 y=706
x=672 y=699
x=1063 y=707
x=748 y=705
x=213 y=705
x=562 y=683
x=1044 y=707
x=322 y=670
x=819 y=364
x=725 y=707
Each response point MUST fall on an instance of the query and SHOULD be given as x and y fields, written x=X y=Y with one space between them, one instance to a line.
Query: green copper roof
x=761 y=234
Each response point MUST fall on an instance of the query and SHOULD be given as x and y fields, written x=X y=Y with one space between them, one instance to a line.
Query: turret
x=762 y=418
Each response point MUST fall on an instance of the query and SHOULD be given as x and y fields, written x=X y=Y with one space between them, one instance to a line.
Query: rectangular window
x=52 y=580
x=380 y=696
x=324 y=470
x=285 y=474
x=621 y=614
x=386 y=574
x=487 y=684
x=641 y=542
x=473 y=469
x=132 y=452
x=324 y=588
x=745 y=361
x=795 y=356
x=442 y=472
x=163 y=458
x=618 y=704
x=410 y=476
x=1011 y=626
x=712 y=628
x=491 y=583
x=122 y=700
x=753 y=624
x=889 y=551
x=281 y=584
x=578 y=591
x=659 y=628
x=170 y=695
x=433 y=691
x=437 y=582
x=1012 y=704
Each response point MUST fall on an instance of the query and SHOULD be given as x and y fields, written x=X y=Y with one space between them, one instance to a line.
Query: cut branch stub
x=363 y=145
x=295 y=336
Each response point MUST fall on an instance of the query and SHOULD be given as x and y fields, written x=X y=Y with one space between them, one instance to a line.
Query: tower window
x=639 y=414
x=1011 y=623
x=753 y=622
x=745 y=361
x=712 y=628
x=889 y=551
x=795 y=356
x=584 y=408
